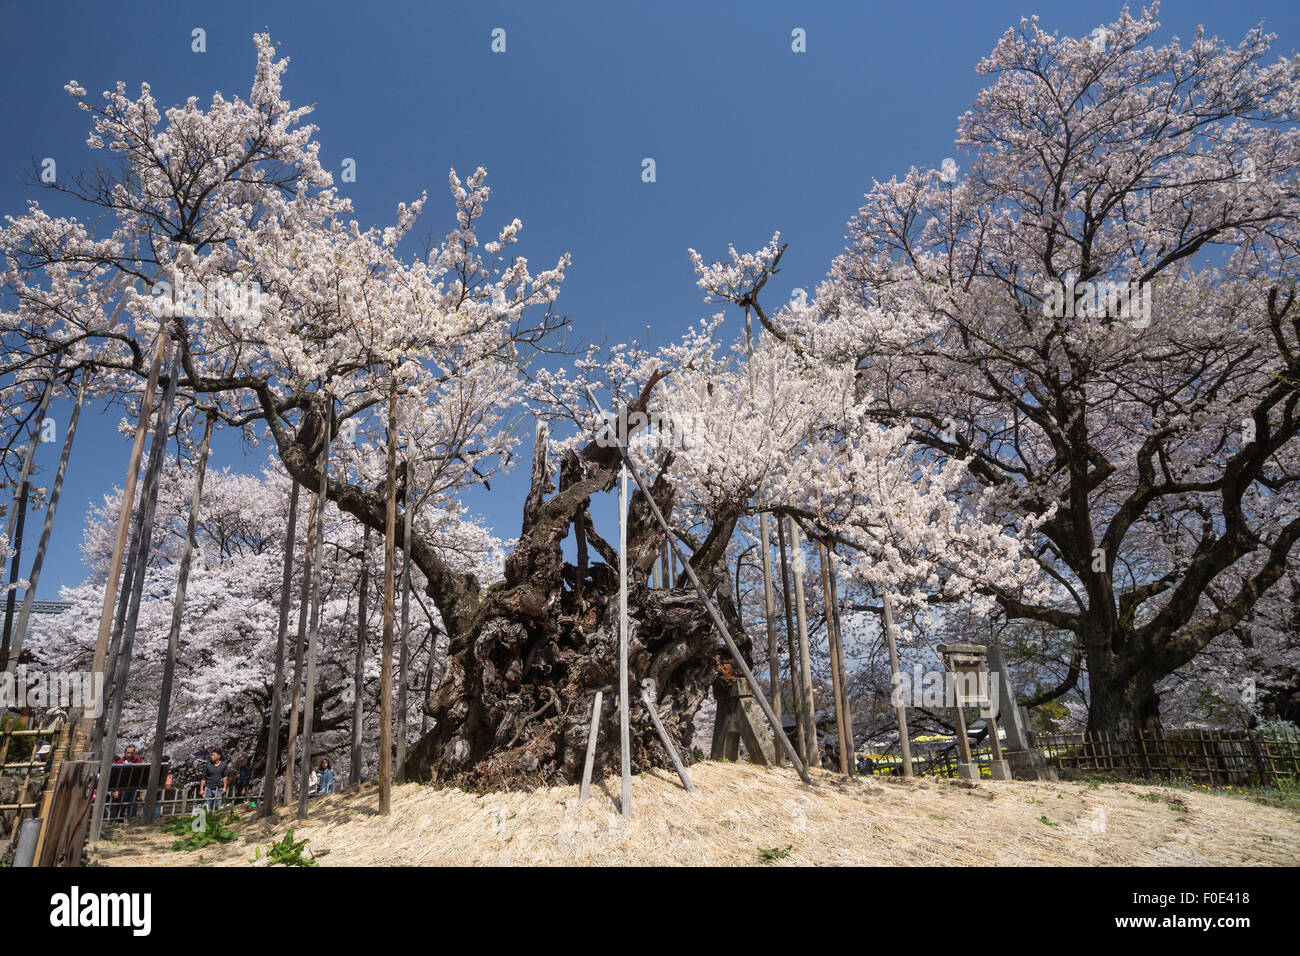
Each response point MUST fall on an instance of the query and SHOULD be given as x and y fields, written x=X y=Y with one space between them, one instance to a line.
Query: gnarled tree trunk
x=527 y=654
x=514 y=705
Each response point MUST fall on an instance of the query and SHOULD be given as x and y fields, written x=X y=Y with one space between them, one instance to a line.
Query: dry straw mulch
x=740 y=809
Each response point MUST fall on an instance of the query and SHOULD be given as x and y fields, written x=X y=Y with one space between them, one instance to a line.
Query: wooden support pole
x=16 y=547
x=174 y=631
x=60 y=754
x=30 y=457
x=900 y=709
x=647 y=698
x=267 y=805
x=359 y=666
x=428 y=680
x=313 y=635
x=792 y=653
x=403 y=654
x=959 y=716
x=592 y=734
x=624 y=729
x=51 y=508
x=769 y=618
x=837 y=682
x=709 y=606
x=963 y=742
x=119 y=624
x=47 y=394
x=994 y=742
x=769 y=604
x=390 y=575
x=844 y=671
x=300 y=646
x=811 y=755
x=144 y=533
x=127 y=503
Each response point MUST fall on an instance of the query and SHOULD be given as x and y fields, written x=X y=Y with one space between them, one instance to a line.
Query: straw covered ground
x=740 y=810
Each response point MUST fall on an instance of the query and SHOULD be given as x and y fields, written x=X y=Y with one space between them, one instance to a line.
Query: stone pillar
x=1023 y=761
x=1013 y=717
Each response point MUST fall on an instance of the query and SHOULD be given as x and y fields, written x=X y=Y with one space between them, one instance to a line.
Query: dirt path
x=739 y=809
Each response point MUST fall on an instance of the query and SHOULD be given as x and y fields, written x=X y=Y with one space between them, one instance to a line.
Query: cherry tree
x=225 y=240
x=225 y=675
x=221 y=237
x=1246 y=674
x=1104 y=332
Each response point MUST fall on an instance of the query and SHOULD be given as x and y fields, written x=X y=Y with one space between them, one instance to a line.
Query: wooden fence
x=26 y=756
x=1214 y=757
x=929 y=760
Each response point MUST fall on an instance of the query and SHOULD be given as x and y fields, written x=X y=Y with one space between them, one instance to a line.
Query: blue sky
x=747 y=136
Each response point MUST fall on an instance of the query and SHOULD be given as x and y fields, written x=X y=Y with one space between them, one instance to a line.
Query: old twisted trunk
x=526 y=655
x=514 y=705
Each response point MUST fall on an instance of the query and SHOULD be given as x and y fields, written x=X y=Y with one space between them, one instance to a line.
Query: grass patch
x=1285 y=795
x=287 y=851
x=212 y=828
x=774 y=854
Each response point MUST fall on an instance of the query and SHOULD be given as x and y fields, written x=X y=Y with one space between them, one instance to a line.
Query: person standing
x=216 y=779
x=243 y=777
x=167 y=791
x=326 y=776
x=125 y=799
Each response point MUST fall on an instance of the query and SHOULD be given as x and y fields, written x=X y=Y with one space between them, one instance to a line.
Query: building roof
x=50 y=607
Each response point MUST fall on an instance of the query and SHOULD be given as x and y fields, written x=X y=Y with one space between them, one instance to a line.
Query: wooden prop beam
x=792 y=652
x=359 y=666
x=127 y=503
x=900 y=710
x=811 y=754
x=844 y=671
x=769 y=618
x=300 y=647
x=624 y=728
x=174 y=632
x=390 y=579
x=267 y=805
x=592 y=733
x=837 y=677
x=313 y=636
x=56 y=489
x=144 y=530
x=47 y=395
x=404 y=643
x=647 y=698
